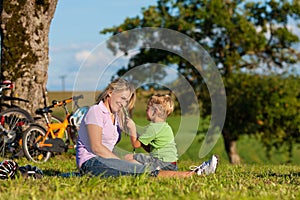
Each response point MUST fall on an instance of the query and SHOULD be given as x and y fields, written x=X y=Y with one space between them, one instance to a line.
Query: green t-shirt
x=161 y=140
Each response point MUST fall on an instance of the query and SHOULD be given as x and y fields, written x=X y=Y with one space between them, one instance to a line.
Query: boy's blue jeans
x=155 y=162
x=110 y=167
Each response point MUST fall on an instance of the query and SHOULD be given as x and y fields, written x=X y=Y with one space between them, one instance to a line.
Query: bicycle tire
x=13 y=123
x=30 y=139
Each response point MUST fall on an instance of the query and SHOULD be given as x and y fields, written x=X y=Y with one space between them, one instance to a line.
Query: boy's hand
x=132 y=131
x=131 y=126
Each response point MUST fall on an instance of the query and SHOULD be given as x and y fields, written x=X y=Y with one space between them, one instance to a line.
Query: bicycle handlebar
x=66 y=101
x=56 y=103
x=76 y=98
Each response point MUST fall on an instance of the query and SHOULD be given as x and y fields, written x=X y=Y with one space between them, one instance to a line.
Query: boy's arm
x=147 y=137
x=146 y=147
x=134 y=140
x=133 y=134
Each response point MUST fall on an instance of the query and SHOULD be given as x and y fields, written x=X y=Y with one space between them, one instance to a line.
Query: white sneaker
x=207 y=167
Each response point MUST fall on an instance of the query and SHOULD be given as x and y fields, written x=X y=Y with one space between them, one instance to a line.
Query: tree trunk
x=231 y=149
x=24 y=30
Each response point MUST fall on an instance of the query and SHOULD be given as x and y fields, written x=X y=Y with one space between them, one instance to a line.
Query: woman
x=100 y=131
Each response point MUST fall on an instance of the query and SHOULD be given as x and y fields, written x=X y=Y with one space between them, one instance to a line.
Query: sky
x=75 y=32
x=75 y=41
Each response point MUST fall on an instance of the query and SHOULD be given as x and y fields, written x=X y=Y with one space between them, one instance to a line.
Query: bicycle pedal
x=58 y=145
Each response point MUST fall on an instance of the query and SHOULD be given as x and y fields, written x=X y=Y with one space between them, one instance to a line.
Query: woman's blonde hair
x=119 y=85
x=163 y=103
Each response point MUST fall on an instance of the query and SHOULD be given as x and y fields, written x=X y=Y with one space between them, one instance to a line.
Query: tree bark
x=25 y=26
x=231 y=148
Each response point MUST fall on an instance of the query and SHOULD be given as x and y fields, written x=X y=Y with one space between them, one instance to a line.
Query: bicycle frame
x=61 y=127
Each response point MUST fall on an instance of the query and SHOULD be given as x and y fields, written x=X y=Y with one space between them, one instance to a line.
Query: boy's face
x=150 y=112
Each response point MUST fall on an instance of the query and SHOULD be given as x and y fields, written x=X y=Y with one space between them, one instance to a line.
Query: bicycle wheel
x=13 y=121
x=31 y=137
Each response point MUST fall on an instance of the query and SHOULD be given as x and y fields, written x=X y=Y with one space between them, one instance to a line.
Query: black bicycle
x=13 y=122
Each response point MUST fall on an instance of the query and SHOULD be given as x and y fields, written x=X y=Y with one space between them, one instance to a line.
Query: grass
x=257 y=178
x=230 y=182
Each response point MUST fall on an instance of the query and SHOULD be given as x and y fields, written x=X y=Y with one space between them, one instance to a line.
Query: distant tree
x=268 y=105
x=24 y=31
x=239 y=35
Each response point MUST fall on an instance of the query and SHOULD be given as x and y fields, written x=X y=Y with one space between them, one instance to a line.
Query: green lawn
x=256 y=181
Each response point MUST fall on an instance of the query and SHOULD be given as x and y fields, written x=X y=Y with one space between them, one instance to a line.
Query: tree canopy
x=237 y=34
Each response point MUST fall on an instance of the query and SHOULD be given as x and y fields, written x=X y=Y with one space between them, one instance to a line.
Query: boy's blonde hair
x=164 y=104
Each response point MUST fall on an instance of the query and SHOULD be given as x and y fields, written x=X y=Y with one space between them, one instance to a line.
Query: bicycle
x=39 y=143
x=13 y=121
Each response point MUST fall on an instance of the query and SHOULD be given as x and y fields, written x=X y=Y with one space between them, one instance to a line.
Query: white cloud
x=97 y=68
x=82 y=55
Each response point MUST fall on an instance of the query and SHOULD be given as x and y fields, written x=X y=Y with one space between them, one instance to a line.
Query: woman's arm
x=95 y=139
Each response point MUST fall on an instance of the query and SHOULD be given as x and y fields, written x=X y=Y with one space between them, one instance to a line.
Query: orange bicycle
x=39 y=143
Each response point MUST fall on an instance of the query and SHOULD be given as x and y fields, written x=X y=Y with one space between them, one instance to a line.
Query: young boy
x=157 y=138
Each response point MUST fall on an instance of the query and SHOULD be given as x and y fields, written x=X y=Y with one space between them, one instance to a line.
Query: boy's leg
x=154 y=162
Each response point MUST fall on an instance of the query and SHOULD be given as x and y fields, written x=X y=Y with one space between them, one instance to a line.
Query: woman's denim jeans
x=110 y=167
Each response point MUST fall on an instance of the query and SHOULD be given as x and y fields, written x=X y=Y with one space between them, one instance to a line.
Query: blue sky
x=75 y=31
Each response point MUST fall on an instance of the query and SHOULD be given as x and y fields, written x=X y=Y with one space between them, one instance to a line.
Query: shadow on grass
x=285 y=176
x=51 y=172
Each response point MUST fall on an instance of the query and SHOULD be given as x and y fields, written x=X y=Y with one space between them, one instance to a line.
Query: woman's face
x=119 y=99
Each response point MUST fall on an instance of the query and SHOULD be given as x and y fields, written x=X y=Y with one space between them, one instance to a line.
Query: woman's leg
x=111 y=167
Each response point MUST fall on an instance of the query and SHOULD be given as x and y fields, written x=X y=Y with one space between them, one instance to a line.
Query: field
x=230 y=182
x=257 y=178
